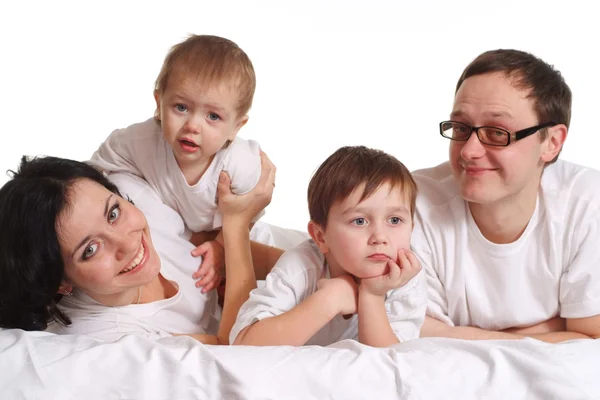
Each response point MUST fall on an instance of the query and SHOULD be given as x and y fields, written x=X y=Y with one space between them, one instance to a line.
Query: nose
x=193 y=124
x=377 y=236
x=472 y=148
x=126 y=244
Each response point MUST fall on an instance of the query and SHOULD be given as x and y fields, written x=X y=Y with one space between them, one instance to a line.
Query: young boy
x=203 y=93
x=356 y=278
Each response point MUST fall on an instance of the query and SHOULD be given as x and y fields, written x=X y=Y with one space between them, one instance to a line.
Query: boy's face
x=197 y=120
x=361 y=236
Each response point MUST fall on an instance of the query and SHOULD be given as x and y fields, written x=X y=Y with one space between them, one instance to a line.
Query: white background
x=330 y=73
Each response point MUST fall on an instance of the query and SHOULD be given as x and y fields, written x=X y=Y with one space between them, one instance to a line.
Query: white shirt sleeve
x=580 y=283
x=293 y=278
x=406 y=307
x=117 y=152
x=242 y=164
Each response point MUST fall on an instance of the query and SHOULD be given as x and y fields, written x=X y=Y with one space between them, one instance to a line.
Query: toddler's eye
x=181 y=107
x=213 y=117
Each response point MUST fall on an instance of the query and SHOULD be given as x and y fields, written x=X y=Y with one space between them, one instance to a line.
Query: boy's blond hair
x=213 y=60
x=347 y=169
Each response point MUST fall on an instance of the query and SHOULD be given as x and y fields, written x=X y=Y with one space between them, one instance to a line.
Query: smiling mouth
x=137 y=261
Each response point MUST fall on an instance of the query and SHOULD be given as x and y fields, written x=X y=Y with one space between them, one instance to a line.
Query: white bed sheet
x=38 y=365
x=44 y=366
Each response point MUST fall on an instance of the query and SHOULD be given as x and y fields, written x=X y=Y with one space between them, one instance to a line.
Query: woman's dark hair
x=31 y=264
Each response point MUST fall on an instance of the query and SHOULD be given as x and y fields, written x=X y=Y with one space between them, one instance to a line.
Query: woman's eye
x=114 y=213
x=359 y=221
x=181 y=107
x=90 y=251
x=395 y=220
x=213 y=117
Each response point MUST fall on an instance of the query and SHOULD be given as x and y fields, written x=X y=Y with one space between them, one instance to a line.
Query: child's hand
x=398 y=274
x=342 y=290
x=213 y=260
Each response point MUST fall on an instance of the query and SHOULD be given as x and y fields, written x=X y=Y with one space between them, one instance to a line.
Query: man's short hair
x=546 y=85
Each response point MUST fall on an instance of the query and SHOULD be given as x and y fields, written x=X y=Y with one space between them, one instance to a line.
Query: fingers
x=207 y=278
x=408 y=262
x=394 y=272
x=414 y=261
x=224 y=185
x=212 y=284
x=200 y=250
x=208 y=262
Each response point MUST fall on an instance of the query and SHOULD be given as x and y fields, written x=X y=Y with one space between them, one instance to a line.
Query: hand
x=213 y=260
x=397 y=275
x=343 y=291
x=248 y=205
x=556 y=324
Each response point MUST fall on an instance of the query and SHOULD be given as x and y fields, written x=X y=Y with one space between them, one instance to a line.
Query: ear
x=239 y=123
x=317 y=233
x=157 y=99
x=554 y=142
x=65 y=289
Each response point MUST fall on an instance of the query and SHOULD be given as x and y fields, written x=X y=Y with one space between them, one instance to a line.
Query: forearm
x=239 y=274
x=292 y=328
x=264 y=258
x=203 y=338
x=198 y=238
x=373 y=324
x=434 y=328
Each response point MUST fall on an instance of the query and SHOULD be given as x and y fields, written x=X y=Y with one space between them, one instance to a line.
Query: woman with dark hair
x=77 y=257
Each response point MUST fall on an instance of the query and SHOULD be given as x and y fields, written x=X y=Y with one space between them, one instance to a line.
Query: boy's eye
x=359 y=221
x=181 y=107
x=395 y=220
x=90 y=251
x=213 y=117
x=114 y=213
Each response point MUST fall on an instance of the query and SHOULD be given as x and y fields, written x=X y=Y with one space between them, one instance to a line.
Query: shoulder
x=146 y=130
x=435 y=185
x=576 y=180
x=241 y=161
x=304 y=259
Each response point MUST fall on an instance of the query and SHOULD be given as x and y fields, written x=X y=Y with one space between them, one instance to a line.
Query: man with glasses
x=509 y=237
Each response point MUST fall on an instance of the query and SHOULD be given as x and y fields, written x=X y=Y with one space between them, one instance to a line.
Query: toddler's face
x=197 y=119
x=362 y=235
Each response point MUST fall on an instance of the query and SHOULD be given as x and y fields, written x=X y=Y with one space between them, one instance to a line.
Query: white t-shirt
x=294 y=278
x=189 y=311
x=140 y=149
x=552 y=269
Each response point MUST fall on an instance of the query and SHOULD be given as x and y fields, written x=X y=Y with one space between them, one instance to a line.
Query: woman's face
x=105 y=243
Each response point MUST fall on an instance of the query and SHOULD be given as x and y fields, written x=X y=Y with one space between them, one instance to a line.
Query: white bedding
x=37 y=365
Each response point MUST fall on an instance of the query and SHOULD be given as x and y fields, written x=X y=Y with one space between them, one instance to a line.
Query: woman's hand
x=245 y=207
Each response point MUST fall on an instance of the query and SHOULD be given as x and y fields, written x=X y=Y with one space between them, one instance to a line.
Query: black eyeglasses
x=490 y=135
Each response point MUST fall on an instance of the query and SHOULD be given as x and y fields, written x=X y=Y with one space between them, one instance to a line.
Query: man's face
x=489 y=174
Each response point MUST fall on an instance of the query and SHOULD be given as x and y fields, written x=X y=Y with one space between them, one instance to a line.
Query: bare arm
x=237 y=213
x=292 y=328
x=435 y=328
x=374 y=327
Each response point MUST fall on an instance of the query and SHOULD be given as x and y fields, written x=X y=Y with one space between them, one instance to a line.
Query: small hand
x=213 y=260
x=342 y=290
x=397 y=275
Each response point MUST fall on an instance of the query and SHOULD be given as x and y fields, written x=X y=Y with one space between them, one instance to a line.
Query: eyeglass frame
x=512 y=136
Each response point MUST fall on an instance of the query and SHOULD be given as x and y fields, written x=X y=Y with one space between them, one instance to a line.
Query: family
x=152 y=235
